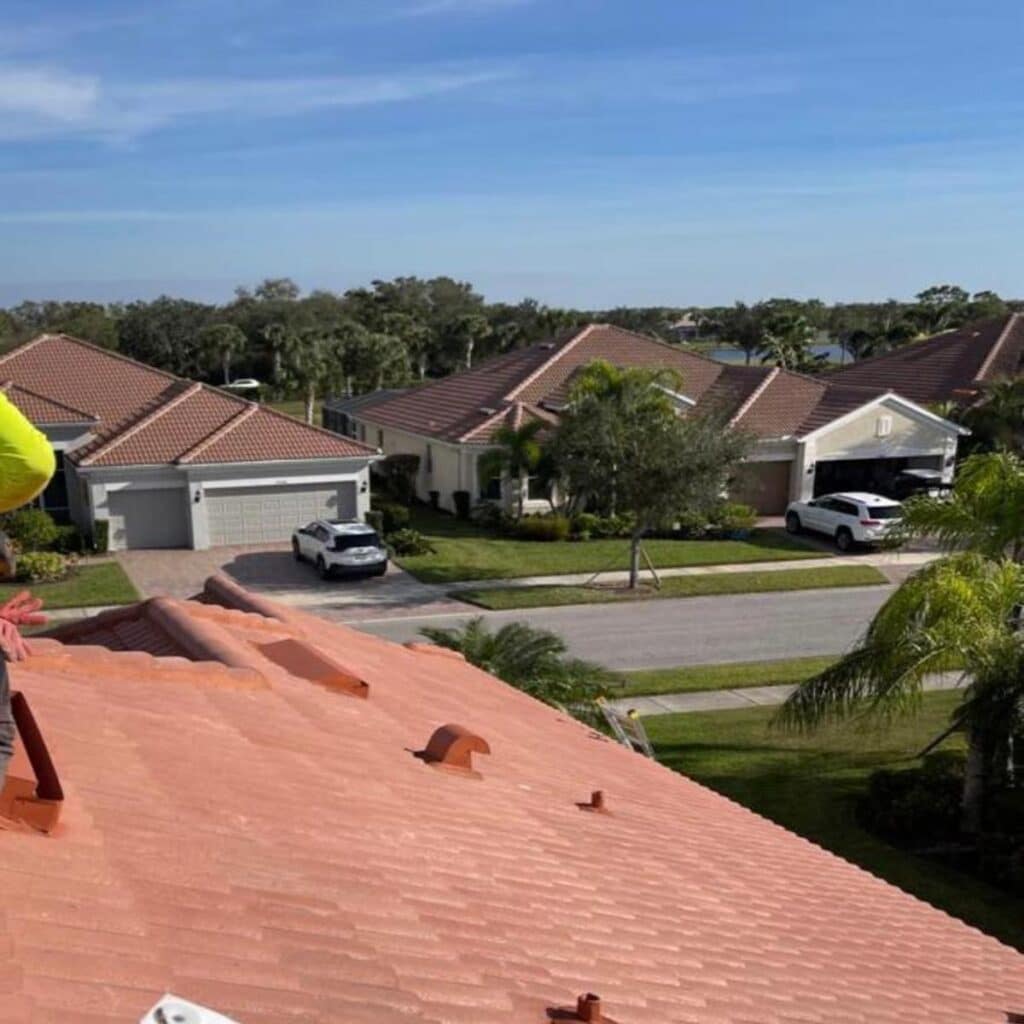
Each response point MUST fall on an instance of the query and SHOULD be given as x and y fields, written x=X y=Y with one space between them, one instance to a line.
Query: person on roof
x=27 y=463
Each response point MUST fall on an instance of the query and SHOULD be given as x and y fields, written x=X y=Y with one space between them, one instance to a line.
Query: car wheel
x=296 y=550
x=844 y=539
x=792 y=523
x=380 y=572
x=322 y=568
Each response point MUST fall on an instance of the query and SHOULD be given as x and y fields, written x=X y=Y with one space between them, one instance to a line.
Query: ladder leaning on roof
x=628 y=728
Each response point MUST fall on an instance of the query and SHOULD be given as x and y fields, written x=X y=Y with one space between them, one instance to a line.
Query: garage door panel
x=264 y=515
x=764 y=485
x=155 y=518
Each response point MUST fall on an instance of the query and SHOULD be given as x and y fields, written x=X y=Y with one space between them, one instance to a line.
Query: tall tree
x=942 y=307
x=996 y=421
x=515 y=455
x=743 y=326
x=312 y=362
x=623 y=442
x=787 y=342
x=219 y=344
x=165 y=333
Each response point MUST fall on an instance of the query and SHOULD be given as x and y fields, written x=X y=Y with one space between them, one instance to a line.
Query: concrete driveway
x=271 y=570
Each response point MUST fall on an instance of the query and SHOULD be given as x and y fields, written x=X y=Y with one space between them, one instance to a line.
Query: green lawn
x=465 y=552
x=297 y=408
x=698 y=678
x=502 y=598
x=809 y=784
x=99 y=583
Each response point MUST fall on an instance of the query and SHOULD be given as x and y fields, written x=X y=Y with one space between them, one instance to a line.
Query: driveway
x=270 y=569
x=689 y=631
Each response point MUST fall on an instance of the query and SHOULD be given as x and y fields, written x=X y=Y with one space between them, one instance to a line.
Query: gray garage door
x=262 y=515
x=765 y=485
x=149 y=519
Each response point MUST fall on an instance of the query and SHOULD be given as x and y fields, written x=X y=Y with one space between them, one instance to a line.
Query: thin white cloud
x=40 y=102
x=429 y=8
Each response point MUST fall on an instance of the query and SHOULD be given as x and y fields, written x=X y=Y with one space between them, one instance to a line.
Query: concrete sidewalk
x=884 y=560
x=731 y=700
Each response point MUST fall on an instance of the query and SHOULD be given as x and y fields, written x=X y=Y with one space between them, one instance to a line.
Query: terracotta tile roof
x=249 y=836
x=44 y=411
x=148 y=417
x=946 y=366
x=781 y=405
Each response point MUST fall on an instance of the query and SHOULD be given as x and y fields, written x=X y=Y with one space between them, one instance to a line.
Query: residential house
x=170 y=463
x=813 y=435
x=282 y=819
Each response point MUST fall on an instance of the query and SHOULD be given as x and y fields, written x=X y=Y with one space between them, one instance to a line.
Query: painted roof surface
x=468 y=407
x=241 y=831
x=946 y=366
x=147 y=417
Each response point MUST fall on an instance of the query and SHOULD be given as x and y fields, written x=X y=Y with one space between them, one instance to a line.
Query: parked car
x=853 y=517
x=340 y=548
x=911 y=482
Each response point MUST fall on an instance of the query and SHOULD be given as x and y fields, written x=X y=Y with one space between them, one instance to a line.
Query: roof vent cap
x=173 y=1010
x=452 y=747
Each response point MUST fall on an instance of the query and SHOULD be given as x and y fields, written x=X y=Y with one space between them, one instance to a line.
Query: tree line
x=394 y=333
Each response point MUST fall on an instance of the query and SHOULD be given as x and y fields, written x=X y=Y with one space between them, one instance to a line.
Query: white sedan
x=853 y=517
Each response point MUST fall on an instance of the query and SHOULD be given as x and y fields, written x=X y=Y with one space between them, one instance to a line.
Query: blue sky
x=585 y=152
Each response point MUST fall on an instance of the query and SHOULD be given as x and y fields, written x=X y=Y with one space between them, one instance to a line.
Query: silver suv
x=853 y=517
x=340 y=547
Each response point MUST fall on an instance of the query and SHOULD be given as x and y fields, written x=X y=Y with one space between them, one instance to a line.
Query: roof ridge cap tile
x=1004 y=334
x=569 y=345
x=754 y=395
x=215 y=435
x=140 y=424
x=9 y=385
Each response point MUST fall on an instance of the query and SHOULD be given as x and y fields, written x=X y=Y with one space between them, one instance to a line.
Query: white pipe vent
x=175 y=1010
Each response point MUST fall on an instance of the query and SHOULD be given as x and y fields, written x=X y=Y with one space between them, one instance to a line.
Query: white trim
x=678 y=396
x=147 y=485
x=979 y=377
x=546 y=365
x=888 y=453
x=913 y=410
x=286 y=481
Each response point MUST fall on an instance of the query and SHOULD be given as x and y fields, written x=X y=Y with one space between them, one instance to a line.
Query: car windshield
x=884 y=511
x=356 y=540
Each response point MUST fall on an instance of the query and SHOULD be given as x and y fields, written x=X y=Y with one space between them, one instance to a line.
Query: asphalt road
x=689 y=631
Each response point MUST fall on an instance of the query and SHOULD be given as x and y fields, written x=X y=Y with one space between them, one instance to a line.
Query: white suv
x=849 y=518
x=338 y=547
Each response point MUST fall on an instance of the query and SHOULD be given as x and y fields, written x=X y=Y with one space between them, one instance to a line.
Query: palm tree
x=997 y=421
x=516 y=453
x=786 y=343
x=960 y=613
x=219 y=344
x=530 y=659
x=984 y=513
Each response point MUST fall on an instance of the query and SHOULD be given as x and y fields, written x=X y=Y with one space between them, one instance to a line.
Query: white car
x=340 y=547
x=853 y=517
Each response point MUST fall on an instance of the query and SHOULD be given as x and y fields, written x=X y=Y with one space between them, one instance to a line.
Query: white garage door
x=157 y=518
x=262 y=515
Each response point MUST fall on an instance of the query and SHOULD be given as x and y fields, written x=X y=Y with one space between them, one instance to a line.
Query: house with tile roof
x=172 y=463
x=955 y=366
x=282 y=819
x=813 y=435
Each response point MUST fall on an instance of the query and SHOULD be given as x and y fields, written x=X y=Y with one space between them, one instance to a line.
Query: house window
x=362 y=432
x=430 y=459
x=490 y=486
x=536 y=489
x=55 y=498
x=380 y=439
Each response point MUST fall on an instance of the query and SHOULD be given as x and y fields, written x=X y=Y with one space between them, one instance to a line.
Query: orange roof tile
x=278 y=853
x=147 y=417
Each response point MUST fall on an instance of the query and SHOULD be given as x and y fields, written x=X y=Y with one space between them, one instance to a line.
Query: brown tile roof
x=239 y=830
x=947 y=366
x=147 y=417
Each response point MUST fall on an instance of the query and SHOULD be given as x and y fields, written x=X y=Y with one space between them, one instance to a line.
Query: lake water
x=733 y=355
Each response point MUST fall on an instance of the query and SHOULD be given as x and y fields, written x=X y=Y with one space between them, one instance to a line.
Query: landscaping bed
x=501 y=598
x=812 y=783
x=89 y=585
x=466 y=551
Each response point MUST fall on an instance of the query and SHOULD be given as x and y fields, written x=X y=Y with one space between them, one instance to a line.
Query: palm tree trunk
x=634 y=559
x=973 y=796
x=225 y=362
x=310 y=403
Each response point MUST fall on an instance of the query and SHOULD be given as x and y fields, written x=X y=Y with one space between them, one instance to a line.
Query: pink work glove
x=22 y=610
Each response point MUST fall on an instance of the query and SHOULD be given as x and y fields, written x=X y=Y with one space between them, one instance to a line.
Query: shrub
x=43 y=567
x=375 y=518
x=31 y=529
x=399 y=475
x=410 y=542
x=692 y=524
x=69 y=540
x=396 y=517
x=733 y=518
x=463 y=502
x=492 y=516
x=543 y=528
x=101 y=536
x=584 y=525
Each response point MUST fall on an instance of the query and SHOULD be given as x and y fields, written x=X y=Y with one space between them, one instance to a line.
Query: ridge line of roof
x=754 y=396
x=139 y=424
x=498 y=414
x=570 y=344
x=1011 y=322
x=87 y=417
x=312 y=426
x=215 y=435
